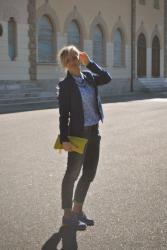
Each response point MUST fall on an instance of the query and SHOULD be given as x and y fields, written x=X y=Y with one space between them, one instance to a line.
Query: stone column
x=165 y=38
x=31 y=7
x=149 y=63
x=133 y=43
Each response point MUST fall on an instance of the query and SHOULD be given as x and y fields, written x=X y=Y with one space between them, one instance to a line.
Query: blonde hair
x=65 y=52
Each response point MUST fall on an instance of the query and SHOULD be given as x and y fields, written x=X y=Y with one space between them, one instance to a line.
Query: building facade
x=127 y=37
x=14 y=51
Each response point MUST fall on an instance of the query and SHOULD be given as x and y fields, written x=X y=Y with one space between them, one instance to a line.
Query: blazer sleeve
x=100 y=76
x=64 y=107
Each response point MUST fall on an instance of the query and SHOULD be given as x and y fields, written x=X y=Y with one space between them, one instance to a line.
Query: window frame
x=52 y=59
x=70 y=41
x=102 y=62
x=122 y=50
x=156 y=4
x=142 y=2
x=12 y=44
x=1 y=30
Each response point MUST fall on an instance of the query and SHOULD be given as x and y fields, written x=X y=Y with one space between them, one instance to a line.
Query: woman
x=80 y=112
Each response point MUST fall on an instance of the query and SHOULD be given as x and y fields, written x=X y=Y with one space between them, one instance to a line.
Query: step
x=10 y=108
x=152 y=84
x=27 y=100
x=26 y=95
x=18 y=95
x=34 y=89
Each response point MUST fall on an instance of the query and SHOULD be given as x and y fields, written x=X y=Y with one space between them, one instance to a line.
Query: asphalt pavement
x=127 y=199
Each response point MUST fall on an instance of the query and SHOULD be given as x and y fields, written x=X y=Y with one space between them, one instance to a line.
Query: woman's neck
x=76 y=72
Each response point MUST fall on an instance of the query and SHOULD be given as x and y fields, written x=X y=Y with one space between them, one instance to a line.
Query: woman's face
x=72 y=62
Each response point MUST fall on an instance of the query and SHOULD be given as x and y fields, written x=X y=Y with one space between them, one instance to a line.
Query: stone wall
x=18 y=68
x=165 y=38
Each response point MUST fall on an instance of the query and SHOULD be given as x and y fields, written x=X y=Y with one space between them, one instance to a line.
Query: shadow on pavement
x=66 y=235
x=54 y=105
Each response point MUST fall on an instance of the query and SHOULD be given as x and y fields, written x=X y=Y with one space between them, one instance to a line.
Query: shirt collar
x=80 y=80
x=81 y=76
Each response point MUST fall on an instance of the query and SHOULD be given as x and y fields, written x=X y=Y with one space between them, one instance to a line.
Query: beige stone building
x=127 y=37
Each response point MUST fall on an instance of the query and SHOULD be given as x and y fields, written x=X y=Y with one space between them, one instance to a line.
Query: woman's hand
x=67 y=146
x=84 y=58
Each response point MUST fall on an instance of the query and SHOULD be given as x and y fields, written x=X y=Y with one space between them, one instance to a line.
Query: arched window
x=12 y=39
x=98 y=45
x=142 y=2
x=46 y=51
x=73 y=34
x=155 y=57
x=118 y=48
x=156 y=4
x=141 y=56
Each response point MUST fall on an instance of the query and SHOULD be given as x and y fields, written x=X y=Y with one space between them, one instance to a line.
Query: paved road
x=127 y=199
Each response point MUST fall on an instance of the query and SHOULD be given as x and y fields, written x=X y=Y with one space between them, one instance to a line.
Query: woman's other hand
x=67 y=146
x=84 y=58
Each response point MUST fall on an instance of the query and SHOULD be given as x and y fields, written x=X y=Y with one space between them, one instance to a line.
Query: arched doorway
x=141 y=56
x=155 y=57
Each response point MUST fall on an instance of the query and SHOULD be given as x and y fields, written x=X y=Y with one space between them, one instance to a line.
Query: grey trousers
x=87 y=162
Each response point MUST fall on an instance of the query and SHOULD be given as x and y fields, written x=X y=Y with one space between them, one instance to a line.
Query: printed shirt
x=91 y=115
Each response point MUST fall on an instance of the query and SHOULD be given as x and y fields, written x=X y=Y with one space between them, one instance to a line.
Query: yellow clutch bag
x=78 y=142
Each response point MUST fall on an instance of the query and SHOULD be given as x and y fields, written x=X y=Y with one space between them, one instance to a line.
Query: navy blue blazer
x=71 y=119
